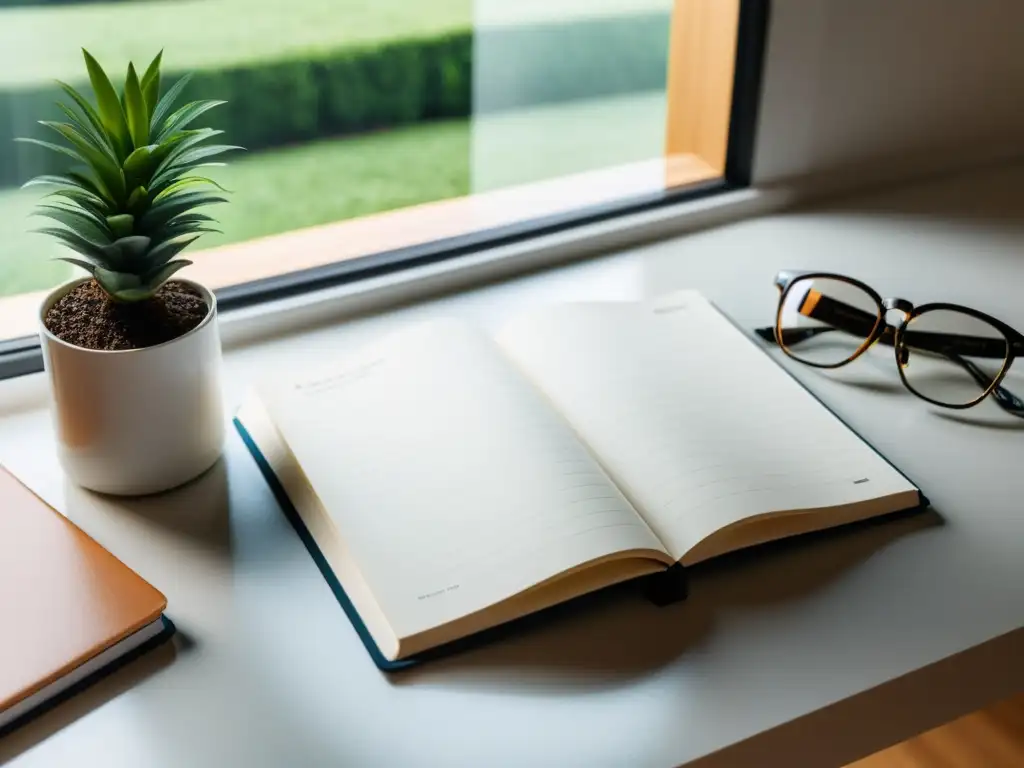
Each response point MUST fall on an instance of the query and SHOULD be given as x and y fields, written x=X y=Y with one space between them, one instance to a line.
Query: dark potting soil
x=87 y=317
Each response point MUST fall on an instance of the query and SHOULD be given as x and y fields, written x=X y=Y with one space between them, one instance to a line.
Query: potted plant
x=132 y=357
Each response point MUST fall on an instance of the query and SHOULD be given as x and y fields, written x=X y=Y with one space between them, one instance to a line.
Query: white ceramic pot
x=137 y=421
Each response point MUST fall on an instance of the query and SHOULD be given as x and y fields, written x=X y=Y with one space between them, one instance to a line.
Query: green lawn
x=280 y=190
x=340 y=179
x=40 y=43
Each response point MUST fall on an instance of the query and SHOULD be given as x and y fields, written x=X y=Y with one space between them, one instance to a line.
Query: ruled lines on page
x=698 y=427
x=453 y=482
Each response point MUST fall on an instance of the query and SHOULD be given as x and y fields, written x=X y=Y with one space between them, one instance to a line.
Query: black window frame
x=24 y=355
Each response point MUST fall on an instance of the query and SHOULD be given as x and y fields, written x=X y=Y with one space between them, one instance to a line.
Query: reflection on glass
x=349 y=107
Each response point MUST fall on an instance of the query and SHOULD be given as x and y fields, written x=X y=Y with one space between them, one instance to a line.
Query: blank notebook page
x=697 y=426
x=451 y=481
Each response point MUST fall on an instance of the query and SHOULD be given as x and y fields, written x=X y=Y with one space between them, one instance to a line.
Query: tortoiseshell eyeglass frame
x=840 y=316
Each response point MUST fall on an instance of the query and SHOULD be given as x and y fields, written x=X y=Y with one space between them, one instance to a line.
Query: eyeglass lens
x=823 y=321
x=951 y=357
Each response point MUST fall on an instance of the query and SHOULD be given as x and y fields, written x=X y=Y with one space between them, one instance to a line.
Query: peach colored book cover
x=63 y=598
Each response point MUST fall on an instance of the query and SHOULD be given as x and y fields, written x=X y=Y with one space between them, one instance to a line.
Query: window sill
x=332 y=243
x=327 y=244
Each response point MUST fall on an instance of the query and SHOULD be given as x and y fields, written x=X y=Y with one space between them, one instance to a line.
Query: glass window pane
x=369 y=125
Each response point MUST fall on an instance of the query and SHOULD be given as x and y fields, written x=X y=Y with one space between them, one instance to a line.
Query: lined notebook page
x=452 y=482
x=699 y=428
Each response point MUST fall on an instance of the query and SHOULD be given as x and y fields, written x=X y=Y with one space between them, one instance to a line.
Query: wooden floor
x=989 y=738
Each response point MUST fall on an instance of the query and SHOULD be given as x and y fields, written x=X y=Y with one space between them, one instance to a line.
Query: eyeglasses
x=946 y=354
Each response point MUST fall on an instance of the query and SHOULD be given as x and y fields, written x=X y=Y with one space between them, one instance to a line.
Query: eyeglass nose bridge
x=902 y=305
x=896 y=305
x=891 y=329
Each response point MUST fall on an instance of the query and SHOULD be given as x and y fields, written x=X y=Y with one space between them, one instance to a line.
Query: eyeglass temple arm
x=1005 y=398
x=842 y=316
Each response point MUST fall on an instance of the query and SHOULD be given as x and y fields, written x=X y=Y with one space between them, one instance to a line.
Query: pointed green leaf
x=137 y=200
x=193 y=217
x=162 y=274
x=87 y=109
x=104 y=166
x=63 y=182
x=115 y=183
x=94 y=154
x=151 y=84
x=183 y=222
x=189 y=158
x=140 y=165
x=48 y=180
x=186 y=115
x=79 y=222
x=172 y=231
x=167 y=209
x=121 y=225
x=166 y=146
x=86 y=200
x=130 y=288
x=166 y=103
x=98 y=140
x=90 y=268
x=193 y=230
x=201 y=153
x=170 y=175
x=185 y=197
x=135 y=109
x=166 y=251
x=185 y=183
x=75 y=242
x=182 y=142
x=54 y=148
x=96 y=218
x=116 y=283
x=110 y=111
x=140 y=160
x=92 y=185
x=127 y=250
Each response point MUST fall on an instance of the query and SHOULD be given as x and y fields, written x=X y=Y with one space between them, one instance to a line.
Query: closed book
x=69 y=609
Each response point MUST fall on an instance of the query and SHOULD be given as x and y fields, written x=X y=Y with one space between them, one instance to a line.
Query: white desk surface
x=267 y=671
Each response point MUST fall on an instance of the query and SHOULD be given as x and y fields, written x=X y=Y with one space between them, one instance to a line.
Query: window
x=383 y=130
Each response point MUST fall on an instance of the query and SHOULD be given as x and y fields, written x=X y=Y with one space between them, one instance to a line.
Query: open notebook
x=453 y=482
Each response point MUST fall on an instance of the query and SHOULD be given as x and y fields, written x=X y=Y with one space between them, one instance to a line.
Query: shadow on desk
x=120 y=680
x=614 y=636
x=878 y=377
x=197 y=512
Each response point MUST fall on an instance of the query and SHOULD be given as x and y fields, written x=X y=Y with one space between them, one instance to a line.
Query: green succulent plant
x=130 y=209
